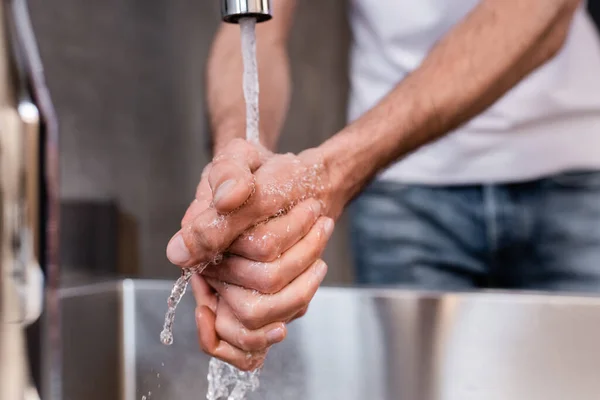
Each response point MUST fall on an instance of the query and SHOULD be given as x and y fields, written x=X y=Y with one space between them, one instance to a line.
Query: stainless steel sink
x=353 y=344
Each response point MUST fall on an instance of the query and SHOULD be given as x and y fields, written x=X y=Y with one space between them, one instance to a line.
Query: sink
x=353 y=344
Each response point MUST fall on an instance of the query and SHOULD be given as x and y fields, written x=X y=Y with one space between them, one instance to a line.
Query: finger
x=212 y=345
x=203 y=293
x=267 y=241
x=230 y=178
x=211 y=233
x=255 y=310
x=272 y=277
x=202 y=200
x=231 y=330
x=193 y=210
x=209 y=329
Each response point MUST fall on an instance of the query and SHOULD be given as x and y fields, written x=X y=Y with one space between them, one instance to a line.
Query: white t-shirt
x=548 y=123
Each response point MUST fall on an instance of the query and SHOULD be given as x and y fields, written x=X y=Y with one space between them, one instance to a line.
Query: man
x=474 y=137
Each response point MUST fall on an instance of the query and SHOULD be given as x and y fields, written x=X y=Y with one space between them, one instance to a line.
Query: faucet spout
x=233 y=10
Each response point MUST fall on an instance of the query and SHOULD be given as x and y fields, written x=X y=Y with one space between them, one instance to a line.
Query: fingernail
x=316 y=209
x=321 y=268
x=224 y=189
x=329 y=225
x=177 y=252
x=275 y=335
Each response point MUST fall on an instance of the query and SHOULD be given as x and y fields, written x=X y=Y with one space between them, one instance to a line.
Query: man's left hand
x=262 y=186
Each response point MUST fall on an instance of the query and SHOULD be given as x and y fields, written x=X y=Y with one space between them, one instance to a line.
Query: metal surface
x=17 y=226
x=233 y=10
x=352 y=344
x=23 y=192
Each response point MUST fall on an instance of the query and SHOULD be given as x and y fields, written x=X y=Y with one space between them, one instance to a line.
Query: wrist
x=343 y=172
x=344 y=179
x=354 y=156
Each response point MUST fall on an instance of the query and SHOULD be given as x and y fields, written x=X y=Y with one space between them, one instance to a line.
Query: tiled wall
x=127 y=81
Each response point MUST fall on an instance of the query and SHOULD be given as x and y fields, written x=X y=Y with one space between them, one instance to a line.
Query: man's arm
x=226 y=104
x=490 y=51
x=498 y=44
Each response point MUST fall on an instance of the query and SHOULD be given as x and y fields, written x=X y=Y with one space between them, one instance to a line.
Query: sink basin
x=353 y=344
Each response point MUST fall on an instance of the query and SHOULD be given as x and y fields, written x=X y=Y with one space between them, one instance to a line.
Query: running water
x=251 y=88
x=179 y=288
x=223 y=377
x=224 y=380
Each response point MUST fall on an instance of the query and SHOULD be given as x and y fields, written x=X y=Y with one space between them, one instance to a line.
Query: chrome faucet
x=233 y=10
x=28 y=207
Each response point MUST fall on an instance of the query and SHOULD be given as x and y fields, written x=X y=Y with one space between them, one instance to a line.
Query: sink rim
x=385 y=292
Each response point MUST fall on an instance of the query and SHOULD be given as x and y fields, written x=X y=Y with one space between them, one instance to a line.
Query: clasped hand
x=266 y=215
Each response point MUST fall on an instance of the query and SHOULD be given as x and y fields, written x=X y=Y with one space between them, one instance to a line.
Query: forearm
x=482 y=58
x=226 y=104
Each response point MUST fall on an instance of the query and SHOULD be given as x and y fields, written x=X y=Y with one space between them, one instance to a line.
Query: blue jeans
x=537 y=235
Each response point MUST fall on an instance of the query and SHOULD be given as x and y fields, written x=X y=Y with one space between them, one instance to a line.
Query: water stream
x=222 y=376
x=224 y=380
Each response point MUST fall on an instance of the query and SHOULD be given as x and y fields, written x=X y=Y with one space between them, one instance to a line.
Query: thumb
x=231 y=177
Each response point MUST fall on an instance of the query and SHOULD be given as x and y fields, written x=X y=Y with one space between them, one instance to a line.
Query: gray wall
x=127 y=80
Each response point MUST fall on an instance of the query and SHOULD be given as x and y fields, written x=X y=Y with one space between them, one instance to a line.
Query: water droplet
x=218 y=259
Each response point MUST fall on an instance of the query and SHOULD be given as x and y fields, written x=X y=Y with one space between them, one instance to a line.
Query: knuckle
x=248 y=314
x=270 y=283
x=201 y=239
x=223 y=168
x=244 y=340
x=219 y=167
x=253 y=324
x=205 y=348
x=250 y=342
x=266 y=248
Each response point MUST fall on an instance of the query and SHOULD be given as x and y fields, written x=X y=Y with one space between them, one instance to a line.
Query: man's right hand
x=257 y=299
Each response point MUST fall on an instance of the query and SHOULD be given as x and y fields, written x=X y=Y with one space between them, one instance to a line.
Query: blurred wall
x=127 y=81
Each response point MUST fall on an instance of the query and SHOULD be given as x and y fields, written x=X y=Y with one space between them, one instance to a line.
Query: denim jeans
x=537 y=235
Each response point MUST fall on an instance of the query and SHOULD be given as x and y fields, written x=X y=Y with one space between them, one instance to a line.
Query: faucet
x=233 y=10
x=28 y=210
